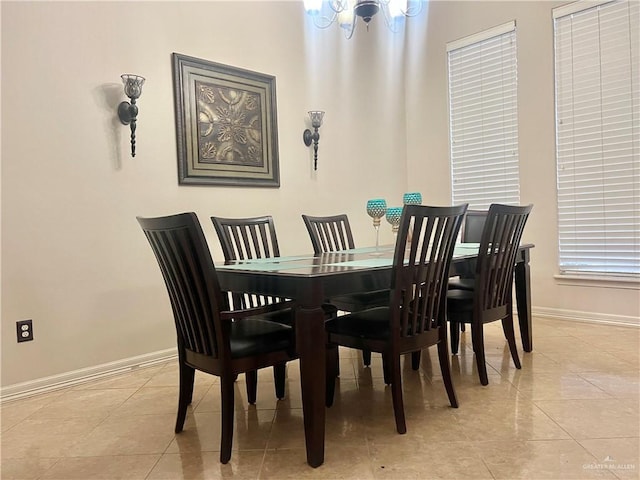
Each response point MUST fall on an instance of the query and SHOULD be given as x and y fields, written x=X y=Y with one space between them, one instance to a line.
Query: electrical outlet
x=24 y=329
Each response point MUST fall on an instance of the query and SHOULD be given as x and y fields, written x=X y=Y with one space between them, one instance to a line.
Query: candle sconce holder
x=128 y=112
x=313 y=137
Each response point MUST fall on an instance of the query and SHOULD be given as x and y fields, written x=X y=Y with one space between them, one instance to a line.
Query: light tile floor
x=570 y=413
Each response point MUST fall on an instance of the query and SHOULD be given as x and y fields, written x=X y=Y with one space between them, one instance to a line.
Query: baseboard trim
x=588 y=317
x=76 y=377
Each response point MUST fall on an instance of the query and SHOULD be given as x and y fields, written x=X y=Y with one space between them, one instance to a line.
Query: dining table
x=311 y=279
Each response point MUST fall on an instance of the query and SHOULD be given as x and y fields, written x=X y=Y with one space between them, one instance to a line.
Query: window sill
x=599 y=281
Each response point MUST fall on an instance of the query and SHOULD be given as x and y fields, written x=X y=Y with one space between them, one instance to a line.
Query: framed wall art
x=226 y=124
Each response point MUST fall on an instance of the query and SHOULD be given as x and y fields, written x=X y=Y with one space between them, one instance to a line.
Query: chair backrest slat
x=190 y=278
x=420 y=272
x=247 y=238
x=497 y=255
x=244 y=239
x=330 y=233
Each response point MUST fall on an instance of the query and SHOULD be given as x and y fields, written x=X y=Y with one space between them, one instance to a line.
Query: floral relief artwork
x=230 y=127
x=225 y=124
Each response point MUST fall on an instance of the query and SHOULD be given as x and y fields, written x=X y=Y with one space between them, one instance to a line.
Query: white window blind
x=484 y=118
x=597 y=137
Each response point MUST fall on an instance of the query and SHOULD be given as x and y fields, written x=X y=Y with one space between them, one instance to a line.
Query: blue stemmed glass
x=393 y=217
x=376 y=208
x=412 y=198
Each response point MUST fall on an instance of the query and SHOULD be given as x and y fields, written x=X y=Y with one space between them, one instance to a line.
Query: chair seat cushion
x=372 y=323
x=356 y=302
x=255 y=335
x=462 y=283
x=459 y=300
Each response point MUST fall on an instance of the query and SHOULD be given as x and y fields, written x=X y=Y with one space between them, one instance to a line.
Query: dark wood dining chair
x=330 y=233
x=416 y=316
x=246 y=239
x=333 y=233
x=470 y=232
x=211 y=337
x=491 y=298
x=472 y=226
x=251 y=238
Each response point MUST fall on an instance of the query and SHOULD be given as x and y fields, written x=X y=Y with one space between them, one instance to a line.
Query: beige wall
x=73 y=256
x=427 y=146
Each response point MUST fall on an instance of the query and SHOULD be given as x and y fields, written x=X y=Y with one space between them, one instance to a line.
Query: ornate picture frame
x=226 y=124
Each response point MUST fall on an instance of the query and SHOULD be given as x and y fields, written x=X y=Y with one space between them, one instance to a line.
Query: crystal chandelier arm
x=338 y=5
x=324 y=21
x=411 y=7
x=349 y=29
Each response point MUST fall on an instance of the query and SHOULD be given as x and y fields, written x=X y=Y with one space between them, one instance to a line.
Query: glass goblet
x=376 y=208
x=412 y=198
x=393 y=217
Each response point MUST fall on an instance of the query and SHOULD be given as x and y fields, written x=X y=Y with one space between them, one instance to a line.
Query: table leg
x=310 y=340
x=523 y=300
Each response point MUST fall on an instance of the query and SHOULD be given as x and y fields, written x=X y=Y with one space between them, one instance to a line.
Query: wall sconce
x=308 y=137
x=128 y=112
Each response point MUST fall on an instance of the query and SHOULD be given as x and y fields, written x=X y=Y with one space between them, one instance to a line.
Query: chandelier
x=346 y=12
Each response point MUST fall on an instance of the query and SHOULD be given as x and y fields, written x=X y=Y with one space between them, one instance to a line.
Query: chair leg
x=445 y=368
x=462 y=327
x=366 y=357
x=279 y=373
x=226 y=440
x=251 y=379
x=187 y=375
x=396 y=394
x=507 y=327
x=415 y=359
x=477 y=338
x=386 y=369
x=331 y=358
x=190 y=383
x=454 y=328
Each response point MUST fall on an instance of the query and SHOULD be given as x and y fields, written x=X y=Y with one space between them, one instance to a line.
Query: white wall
x=73 y=257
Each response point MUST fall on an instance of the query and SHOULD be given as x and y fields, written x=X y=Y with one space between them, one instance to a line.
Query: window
x=484 y=118
x=597 y=148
